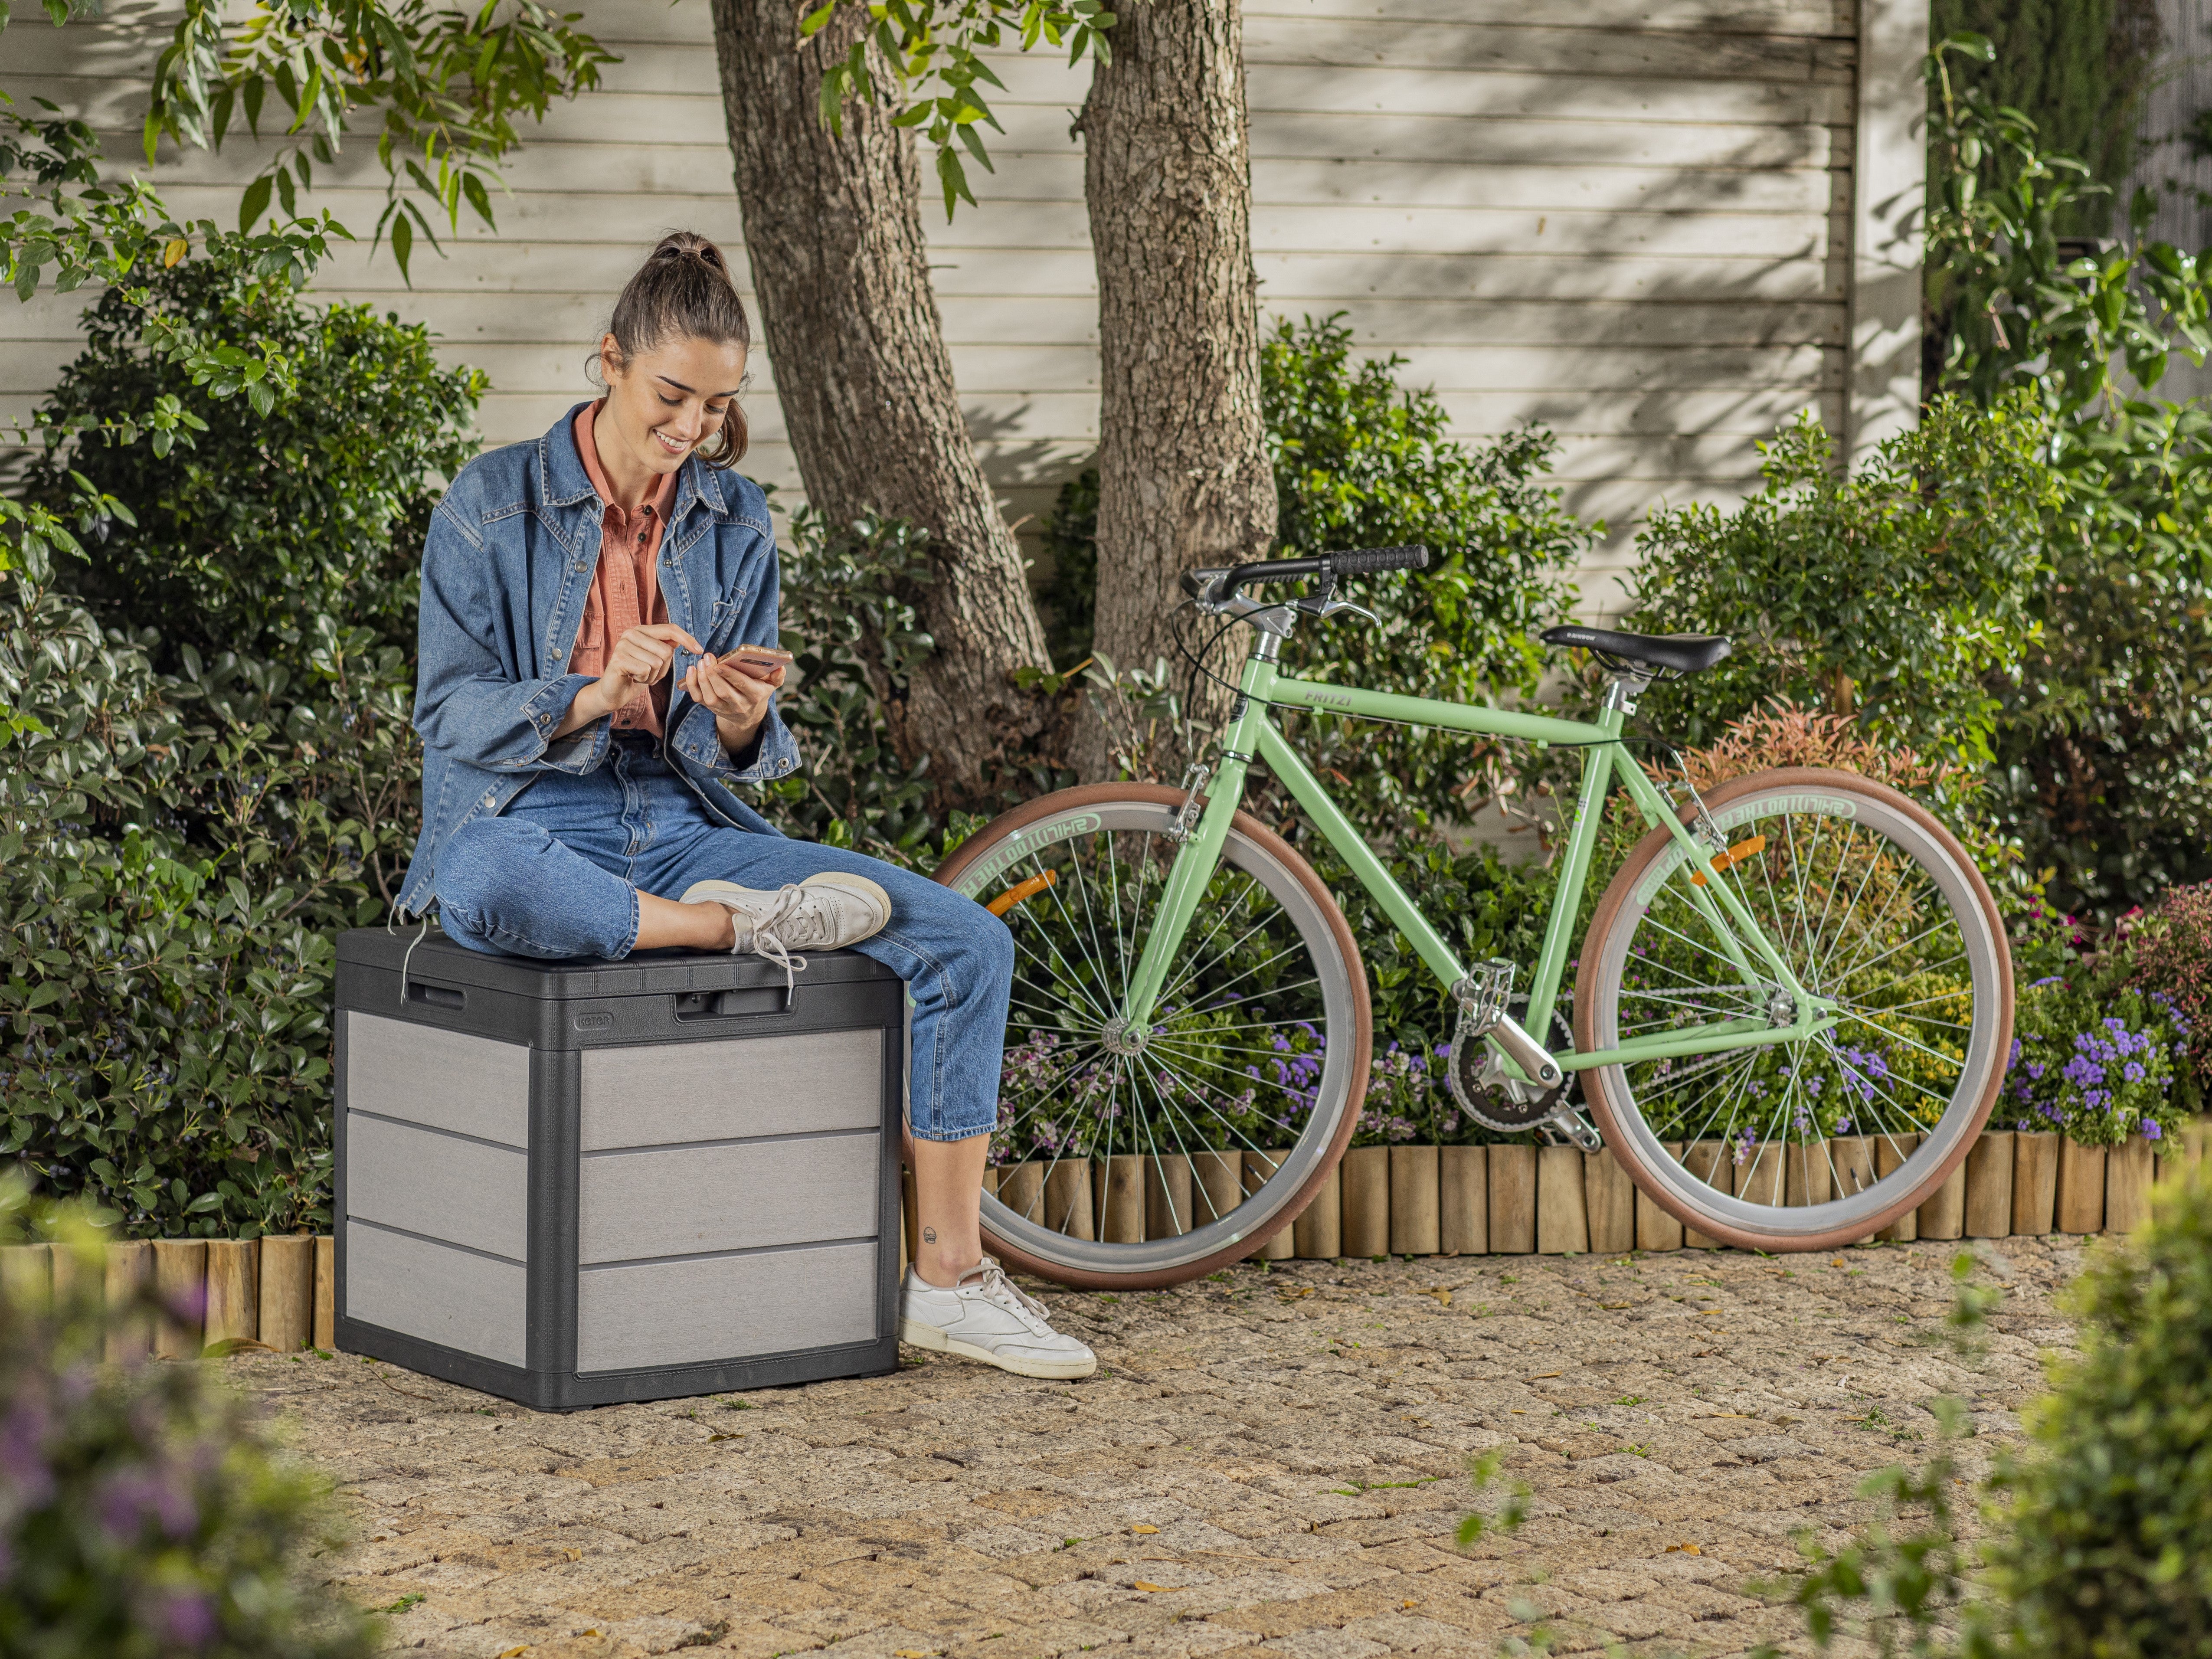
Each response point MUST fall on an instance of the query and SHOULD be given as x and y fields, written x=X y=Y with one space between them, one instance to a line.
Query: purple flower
x=187 y=1620
x=133 y=1497
x=2152 y=1132
x=26 y=1477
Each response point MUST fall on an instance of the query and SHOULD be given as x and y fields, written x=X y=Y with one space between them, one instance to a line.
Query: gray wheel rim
x=1961 y=898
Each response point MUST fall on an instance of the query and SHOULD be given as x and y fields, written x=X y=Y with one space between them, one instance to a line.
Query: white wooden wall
x=1632 y=220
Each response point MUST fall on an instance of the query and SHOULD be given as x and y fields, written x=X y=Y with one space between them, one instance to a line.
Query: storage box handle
x=753 y=1002
x=436 y=996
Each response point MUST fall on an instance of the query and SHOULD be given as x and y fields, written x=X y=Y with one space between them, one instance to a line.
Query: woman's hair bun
x=689 y=244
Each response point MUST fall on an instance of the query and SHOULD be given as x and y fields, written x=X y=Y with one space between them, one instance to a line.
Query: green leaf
x=478 y=198
x=954 y=179
x=813 y=23
x=403 y=244
x=254 y=203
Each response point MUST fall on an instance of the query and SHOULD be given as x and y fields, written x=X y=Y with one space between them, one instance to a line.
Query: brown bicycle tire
x=1099 y=794
x=1624 y=883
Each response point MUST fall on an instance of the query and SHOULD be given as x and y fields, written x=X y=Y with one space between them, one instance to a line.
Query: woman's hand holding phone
x=736 y=687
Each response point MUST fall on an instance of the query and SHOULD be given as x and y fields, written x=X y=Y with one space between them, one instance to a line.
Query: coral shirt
x=626 y=589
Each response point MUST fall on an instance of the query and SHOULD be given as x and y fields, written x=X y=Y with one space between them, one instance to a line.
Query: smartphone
x=760 y=661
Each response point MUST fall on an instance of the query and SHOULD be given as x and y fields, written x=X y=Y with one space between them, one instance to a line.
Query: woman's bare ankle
x=667 y=924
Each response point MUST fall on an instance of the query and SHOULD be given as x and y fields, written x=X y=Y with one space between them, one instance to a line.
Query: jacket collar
x=567 y=481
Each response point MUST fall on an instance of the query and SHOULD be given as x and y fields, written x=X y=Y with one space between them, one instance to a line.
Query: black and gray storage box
x=572 y=1183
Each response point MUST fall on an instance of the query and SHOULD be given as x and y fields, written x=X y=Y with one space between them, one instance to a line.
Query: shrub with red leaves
x=2170 y=948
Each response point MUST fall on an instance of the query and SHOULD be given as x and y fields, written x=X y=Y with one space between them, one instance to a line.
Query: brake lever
x=1329 y=605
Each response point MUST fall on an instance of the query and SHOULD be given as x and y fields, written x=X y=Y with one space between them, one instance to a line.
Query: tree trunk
x=1183 y=477
x=833 y=231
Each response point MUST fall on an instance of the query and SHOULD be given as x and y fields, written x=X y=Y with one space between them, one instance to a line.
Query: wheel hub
x=1121 y=1037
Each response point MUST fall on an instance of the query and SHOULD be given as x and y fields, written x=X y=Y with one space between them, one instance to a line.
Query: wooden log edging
x=217 y=1295
x=280 y=1291
x=1418 y=1200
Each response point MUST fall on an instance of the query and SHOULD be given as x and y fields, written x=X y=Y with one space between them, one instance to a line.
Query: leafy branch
x=932 y=50
x=2020 y=304
x=451 y=87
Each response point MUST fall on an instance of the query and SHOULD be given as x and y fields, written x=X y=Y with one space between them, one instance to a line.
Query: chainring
x=1486 y=1095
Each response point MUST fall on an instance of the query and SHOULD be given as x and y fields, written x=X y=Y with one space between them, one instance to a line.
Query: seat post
x=1626 y=687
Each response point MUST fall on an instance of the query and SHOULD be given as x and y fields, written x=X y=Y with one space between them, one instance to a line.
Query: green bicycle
x=1792 y=1012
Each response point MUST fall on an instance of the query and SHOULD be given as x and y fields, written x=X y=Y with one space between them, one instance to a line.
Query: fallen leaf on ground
x=1541 y=1376
x=1142 y=1585
x=1686 y=1549
x=1144 y=1529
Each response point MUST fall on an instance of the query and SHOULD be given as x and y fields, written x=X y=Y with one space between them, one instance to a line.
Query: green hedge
x=186 y=826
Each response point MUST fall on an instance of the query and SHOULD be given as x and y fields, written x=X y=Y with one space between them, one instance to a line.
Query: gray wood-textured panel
x=731 y=1307
x=447 y=1079
x=442 y=1294
x=689 y=1200
x=806 y=1084
x=427 y=1183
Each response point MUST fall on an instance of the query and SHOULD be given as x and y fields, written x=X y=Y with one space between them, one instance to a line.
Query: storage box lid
x=438 y=961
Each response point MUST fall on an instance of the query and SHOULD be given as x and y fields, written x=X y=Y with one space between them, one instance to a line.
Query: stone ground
x=1266 y=1463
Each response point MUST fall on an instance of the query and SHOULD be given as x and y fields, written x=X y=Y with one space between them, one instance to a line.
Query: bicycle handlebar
x=1352 y=562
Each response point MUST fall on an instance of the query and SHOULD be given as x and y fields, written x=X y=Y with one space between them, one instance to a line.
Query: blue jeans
x=558 y=874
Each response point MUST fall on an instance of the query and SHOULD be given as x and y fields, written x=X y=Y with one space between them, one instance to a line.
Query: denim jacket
x=506 y=567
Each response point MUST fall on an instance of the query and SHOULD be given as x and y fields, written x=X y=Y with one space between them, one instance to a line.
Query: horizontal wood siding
x=1629 y=221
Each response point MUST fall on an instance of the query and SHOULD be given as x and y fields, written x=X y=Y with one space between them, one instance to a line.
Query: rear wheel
x=1808 y=1145
x=1141 y=1159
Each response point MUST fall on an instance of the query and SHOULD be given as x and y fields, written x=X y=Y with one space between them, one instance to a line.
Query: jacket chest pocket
x=722 y=630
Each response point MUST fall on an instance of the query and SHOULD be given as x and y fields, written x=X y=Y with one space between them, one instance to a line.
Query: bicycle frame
x=1252 y=735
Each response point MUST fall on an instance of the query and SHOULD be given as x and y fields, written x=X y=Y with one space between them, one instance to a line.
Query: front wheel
x=1811 y=1144
x=1139 y=1159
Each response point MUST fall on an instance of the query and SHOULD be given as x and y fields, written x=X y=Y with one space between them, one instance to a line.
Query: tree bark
x=833 y=231
x=1183 y=476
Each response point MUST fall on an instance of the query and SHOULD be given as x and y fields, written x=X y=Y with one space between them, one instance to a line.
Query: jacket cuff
x=774 y=750
x=544 y=710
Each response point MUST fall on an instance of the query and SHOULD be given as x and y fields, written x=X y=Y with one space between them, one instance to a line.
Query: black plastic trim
x=547 y=1391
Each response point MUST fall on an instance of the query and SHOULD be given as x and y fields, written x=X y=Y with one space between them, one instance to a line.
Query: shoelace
x=770 y=944
x=997 y=1287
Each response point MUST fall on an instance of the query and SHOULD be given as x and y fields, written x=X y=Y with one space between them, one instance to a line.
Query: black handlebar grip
x=1362 y=560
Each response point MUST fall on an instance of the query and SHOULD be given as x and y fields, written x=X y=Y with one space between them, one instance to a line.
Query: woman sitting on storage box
x=599 y=659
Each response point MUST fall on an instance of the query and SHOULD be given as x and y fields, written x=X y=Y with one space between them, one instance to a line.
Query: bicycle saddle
x=1682 y=653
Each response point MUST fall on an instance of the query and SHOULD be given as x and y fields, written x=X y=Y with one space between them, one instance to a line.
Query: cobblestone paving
x=1268 y=1462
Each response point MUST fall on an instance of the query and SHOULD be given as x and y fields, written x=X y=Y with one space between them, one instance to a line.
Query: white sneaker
x=826 y=912
x=984 y=1317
